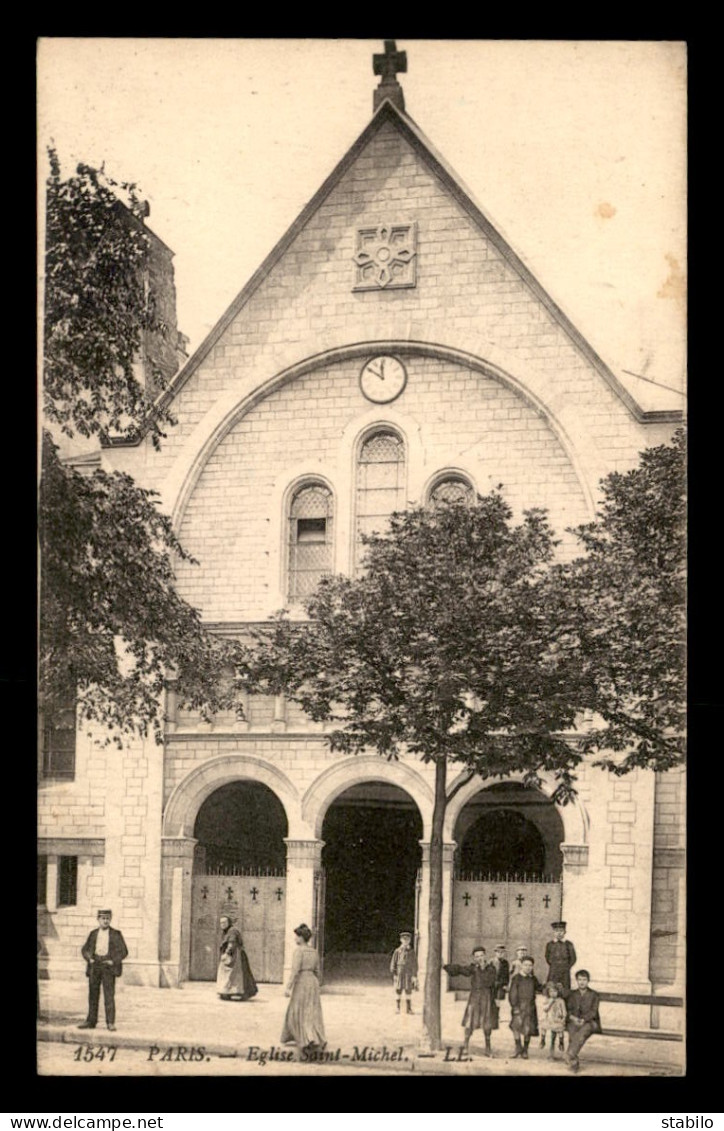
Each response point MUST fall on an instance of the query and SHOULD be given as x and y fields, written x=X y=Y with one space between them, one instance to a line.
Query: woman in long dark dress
x=303 y=1023
x=234 y=978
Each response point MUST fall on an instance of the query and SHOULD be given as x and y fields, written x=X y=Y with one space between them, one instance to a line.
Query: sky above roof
x=574 y=150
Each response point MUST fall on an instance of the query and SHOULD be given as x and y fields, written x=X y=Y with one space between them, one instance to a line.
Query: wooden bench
x=655 y=1001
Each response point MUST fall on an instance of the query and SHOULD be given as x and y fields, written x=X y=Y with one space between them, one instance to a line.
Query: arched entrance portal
x=371 y=860
x=239 y=870
x=507 y=885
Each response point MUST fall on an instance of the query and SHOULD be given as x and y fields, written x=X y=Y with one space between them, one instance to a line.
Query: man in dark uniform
x=561 y=957
x=104 y=951
x=583 y=1017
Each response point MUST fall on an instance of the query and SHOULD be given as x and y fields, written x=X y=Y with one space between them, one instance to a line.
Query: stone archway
x=371 y=858
x=364 y=768
x=187 y=798
x=179 y=897
x=239 y=871
x=367 y=784
x=574 y=817
x=507 y=881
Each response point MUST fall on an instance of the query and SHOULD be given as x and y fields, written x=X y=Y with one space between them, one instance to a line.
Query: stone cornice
x=71 y=846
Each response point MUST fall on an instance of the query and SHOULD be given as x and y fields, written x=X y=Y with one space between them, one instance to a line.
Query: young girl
x=554 y=1016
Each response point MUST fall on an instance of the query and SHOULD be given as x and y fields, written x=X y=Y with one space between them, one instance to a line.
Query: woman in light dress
x=303 y=1023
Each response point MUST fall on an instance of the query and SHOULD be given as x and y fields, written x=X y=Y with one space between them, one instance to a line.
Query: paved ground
x=189 y=1031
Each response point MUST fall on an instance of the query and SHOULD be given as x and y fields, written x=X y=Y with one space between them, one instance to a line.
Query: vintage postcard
x=294 y=287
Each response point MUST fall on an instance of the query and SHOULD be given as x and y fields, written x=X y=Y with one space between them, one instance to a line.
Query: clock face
x=383 y=378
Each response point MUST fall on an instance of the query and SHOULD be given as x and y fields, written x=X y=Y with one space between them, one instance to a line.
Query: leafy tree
x=454 y=647
x=628 y=597
x=99 y=308
x=112 y=627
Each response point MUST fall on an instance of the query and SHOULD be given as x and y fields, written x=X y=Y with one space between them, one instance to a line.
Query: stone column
x=51 y=898
x=448 y=856
x=279 y=723
x=171 y=708
x=578 y=899
x=304 y=859
x=175 y=932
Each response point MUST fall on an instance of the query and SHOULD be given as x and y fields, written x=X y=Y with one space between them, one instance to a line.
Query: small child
x=403 y=969
x=523 y=1013
x=516 y=966
x=554 y=1017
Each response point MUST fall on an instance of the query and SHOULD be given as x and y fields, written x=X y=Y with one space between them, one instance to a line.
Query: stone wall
x=668 y=921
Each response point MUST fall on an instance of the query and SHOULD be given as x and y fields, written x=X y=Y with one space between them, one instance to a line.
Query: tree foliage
x=448 y=646
x=98 y=308
x=629 y=592
x=112 y=627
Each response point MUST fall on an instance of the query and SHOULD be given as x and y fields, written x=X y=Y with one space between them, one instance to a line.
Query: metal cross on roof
x=390 y=63
x=387 y=67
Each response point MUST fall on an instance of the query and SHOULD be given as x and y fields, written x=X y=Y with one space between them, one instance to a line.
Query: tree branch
x=463 y=781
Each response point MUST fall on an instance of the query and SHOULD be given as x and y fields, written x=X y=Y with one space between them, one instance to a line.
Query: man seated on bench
x=583 y=1017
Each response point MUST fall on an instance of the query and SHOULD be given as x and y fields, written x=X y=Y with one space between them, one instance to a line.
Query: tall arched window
x=380 y=484
x=311 y=516
x=451 y=489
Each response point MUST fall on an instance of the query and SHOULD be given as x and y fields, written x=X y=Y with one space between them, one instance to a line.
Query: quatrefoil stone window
x=385 y=257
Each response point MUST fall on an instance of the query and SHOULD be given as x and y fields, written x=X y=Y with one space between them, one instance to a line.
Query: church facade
x=391 y=350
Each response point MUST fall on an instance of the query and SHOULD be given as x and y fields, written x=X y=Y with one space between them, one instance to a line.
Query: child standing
x=481 y=1012
x=403 y=969
x=554 y=1017
x=524 y=1017
x=516 y=966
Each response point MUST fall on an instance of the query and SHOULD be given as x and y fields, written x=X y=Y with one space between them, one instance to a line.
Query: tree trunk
x=431 y=1019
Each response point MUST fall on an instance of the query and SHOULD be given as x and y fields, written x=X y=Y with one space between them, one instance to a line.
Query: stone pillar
x=576 y=903
x=448 y=856
x=627 y=898
x=279 y=723
x=304 y=859
x=171 y=708
x=175 y=932
x=607 y=892
x=51 y=898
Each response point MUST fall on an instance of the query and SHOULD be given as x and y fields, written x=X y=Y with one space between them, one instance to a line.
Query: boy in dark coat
x=403 y=969
x=583 y=1017
x=481 y=1012
x=561 y=957
x=524 y=1016
x=104 y=951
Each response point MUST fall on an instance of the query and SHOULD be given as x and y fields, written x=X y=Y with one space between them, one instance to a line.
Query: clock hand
x=374 y=371
x=382 y=367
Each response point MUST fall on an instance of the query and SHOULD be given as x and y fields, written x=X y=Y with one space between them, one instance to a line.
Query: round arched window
x=311 y=514
x=451 y=489
x=380 y=484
